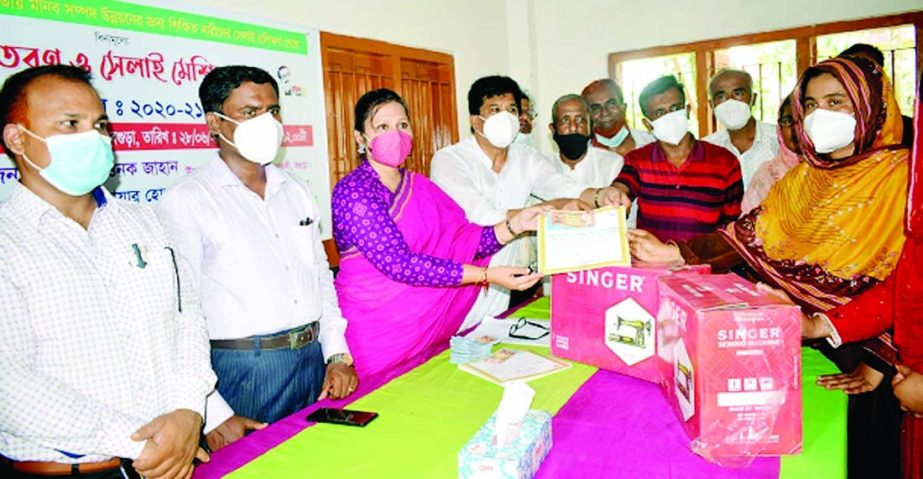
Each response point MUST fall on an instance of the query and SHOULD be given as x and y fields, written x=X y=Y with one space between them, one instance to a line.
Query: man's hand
x=172 y=444
x=646 y=247
x=611 y=196
x=862 y=380
x=526 y=219
x=341 y=380
x=908 y=387
x=232 y=429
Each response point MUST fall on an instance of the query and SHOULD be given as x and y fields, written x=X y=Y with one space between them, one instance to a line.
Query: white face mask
x=830 y=130
x=672 y=127
x=501 y=129
x=733 y=114
x=257 y=139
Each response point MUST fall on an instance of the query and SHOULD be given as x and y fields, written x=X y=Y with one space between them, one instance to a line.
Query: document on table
x=511 y=365
x=580 y=240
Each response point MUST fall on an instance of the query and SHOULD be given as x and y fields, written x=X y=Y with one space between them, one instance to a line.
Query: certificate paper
x=507 y=365
x=579 y=240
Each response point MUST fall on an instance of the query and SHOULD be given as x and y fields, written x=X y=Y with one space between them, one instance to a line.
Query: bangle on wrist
x=509 y=227
x=596 y=197
x=482 y=281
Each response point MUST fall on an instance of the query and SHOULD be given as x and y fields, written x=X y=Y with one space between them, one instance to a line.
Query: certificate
x=579 y=240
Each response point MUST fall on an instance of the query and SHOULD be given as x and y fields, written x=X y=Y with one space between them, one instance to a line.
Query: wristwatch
x=341 y=358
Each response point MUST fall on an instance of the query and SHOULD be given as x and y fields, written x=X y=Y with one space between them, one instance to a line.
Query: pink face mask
x=391 y=148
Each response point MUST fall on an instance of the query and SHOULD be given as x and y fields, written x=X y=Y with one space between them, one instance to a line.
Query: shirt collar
x=34 y=208
x=223 y=175
x=482 y=157
x=697 y=153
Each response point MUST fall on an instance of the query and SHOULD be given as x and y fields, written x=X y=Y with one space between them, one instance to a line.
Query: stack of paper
x=511 y=365
x=465 y=349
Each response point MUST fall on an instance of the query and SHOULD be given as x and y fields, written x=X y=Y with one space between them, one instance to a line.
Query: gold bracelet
x=509 y=227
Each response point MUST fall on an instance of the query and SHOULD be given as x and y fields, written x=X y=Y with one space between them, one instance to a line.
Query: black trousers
x=873 y=422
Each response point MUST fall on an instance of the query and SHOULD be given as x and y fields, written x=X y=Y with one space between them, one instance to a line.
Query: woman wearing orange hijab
x=896 y=305
x=830 y=229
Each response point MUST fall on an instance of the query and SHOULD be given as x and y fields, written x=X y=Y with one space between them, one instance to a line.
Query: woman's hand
x=646 y=247
x=812 y=326
x=512 y=277
x=908 y=387
x=862 y=380
x=527 y=218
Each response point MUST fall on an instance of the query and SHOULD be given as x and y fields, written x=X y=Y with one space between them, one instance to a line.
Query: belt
x=293 y=339
x=39 y=468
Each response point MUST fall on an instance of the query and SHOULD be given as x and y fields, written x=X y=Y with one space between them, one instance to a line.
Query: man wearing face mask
x=249 y=233
x=753 y=142
x=104 y=362
x=607 y=110
x=570 y=128
x=684 y=187
x=492 y=180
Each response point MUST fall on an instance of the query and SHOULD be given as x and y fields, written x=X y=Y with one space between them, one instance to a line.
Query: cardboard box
x=607 y=317
x=519 y=458
x=731 y=362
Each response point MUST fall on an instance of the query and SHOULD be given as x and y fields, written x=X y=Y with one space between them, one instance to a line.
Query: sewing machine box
x=731 y=361
x=607 y=317
x=526 y=445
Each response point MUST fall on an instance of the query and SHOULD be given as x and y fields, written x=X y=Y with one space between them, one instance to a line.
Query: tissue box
x=606 y=317
x=526 y=446
x=731 y=360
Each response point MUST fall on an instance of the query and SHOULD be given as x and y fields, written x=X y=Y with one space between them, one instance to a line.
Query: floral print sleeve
x=361 y=220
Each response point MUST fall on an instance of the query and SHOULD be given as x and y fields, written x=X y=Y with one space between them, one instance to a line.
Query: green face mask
x=79 y=162
x=615 y=140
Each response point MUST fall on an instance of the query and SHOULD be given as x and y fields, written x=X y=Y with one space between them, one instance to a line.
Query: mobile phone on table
x=342 y=416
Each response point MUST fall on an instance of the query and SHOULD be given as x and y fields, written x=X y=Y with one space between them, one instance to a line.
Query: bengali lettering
x=8 y=174
x=153 y=194
x=129 y=195
x=117 y=65
x=191 y=70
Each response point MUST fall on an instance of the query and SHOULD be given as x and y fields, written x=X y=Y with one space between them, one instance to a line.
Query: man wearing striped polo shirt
x=684 y=187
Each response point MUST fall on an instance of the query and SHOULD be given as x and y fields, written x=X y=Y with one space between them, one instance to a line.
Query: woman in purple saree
x=411 y=265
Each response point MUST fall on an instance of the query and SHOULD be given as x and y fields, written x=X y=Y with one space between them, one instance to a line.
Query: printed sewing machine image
x=683 y=379
x=642 y=331
x=630 y=331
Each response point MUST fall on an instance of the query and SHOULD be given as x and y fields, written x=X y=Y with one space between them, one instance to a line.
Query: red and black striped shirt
x=679 y=202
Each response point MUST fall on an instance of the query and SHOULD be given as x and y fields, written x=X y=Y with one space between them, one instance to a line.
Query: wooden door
x=425 y=79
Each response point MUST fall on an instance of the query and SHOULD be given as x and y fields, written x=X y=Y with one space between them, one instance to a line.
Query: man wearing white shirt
x=610 y=126
x=249 y=233
x=491 y=179
x=104 y=360
x=731 y=97
x=571 y=128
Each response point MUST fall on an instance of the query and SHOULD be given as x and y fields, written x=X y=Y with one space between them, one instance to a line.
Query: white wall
x=551 y=47
x=473 y=31
x=574 y=38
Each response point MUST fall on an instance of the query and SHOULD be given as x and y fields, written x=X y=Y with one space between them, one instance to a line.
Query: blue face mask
x=615 y=140
x=79 y=162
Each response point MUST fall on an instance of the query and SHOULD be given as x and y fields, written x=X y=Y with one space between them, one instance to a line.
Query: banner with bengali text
x=147 y=63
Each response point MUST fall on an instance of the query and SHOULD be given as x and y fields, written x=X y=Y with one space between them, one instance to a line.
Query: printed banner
x=147 y=64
